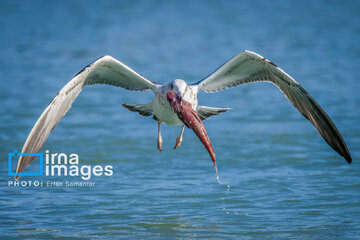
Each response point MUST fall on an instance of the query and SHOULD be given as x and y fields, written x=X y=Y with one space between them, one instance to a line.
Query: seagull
x=176 y=103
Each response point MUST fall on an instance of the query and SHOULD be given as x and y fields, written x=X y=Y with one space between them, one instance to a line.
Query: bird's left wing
x=105 y=70
x=248 y=67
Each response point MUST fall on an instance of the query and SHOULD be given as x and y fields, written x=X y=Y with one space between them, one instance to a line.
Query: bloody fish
x=192 y=120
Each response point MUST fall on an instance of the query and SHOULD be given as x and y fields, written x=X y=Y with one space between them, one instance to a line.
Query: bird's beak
x=192 y=120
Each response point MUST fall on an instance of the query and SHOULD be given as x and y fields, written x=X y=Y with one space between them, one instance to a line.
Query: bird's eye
x=171 y=85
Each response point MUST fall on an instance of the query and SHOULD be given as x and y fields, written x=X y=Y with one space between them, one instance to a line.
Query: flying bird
x=176 y=103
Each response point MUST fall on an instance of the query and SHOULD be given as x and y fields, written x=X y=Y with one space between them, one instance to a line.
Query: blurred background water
x=281 y=180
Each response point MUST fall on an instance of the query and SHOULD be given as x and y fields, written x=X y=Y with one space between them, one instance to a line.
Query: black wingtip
x=348 y=158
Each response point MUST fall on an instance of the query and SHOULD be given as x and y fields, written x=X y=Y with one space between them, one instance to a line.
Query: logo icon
x=15 y=155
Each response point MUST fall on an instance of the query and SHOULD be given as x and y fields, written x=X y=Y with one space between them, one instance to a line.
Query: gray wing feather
x=142 y=109
x=105 y=70
x=205 y=112
x=248 y=67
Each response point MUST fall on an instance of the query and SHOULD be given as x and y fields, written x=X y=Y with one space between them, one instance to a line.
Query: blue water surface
x=280 y=178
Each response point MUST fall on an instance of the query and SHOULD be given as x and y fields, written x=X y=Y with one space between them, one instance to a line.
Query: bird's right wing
x=105 y=70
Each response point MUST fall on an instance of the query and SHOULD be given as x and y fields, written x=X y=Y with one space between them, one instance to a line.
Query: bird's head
x=178 y=86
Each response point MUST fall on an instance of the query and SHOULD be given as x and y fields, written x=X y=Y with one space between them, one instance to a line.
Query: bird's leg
x=179 y=138
x=159 y=139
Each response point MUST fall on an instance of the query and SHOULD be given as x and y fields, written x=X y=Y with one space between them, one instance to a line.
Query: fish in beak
x=192 y=120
